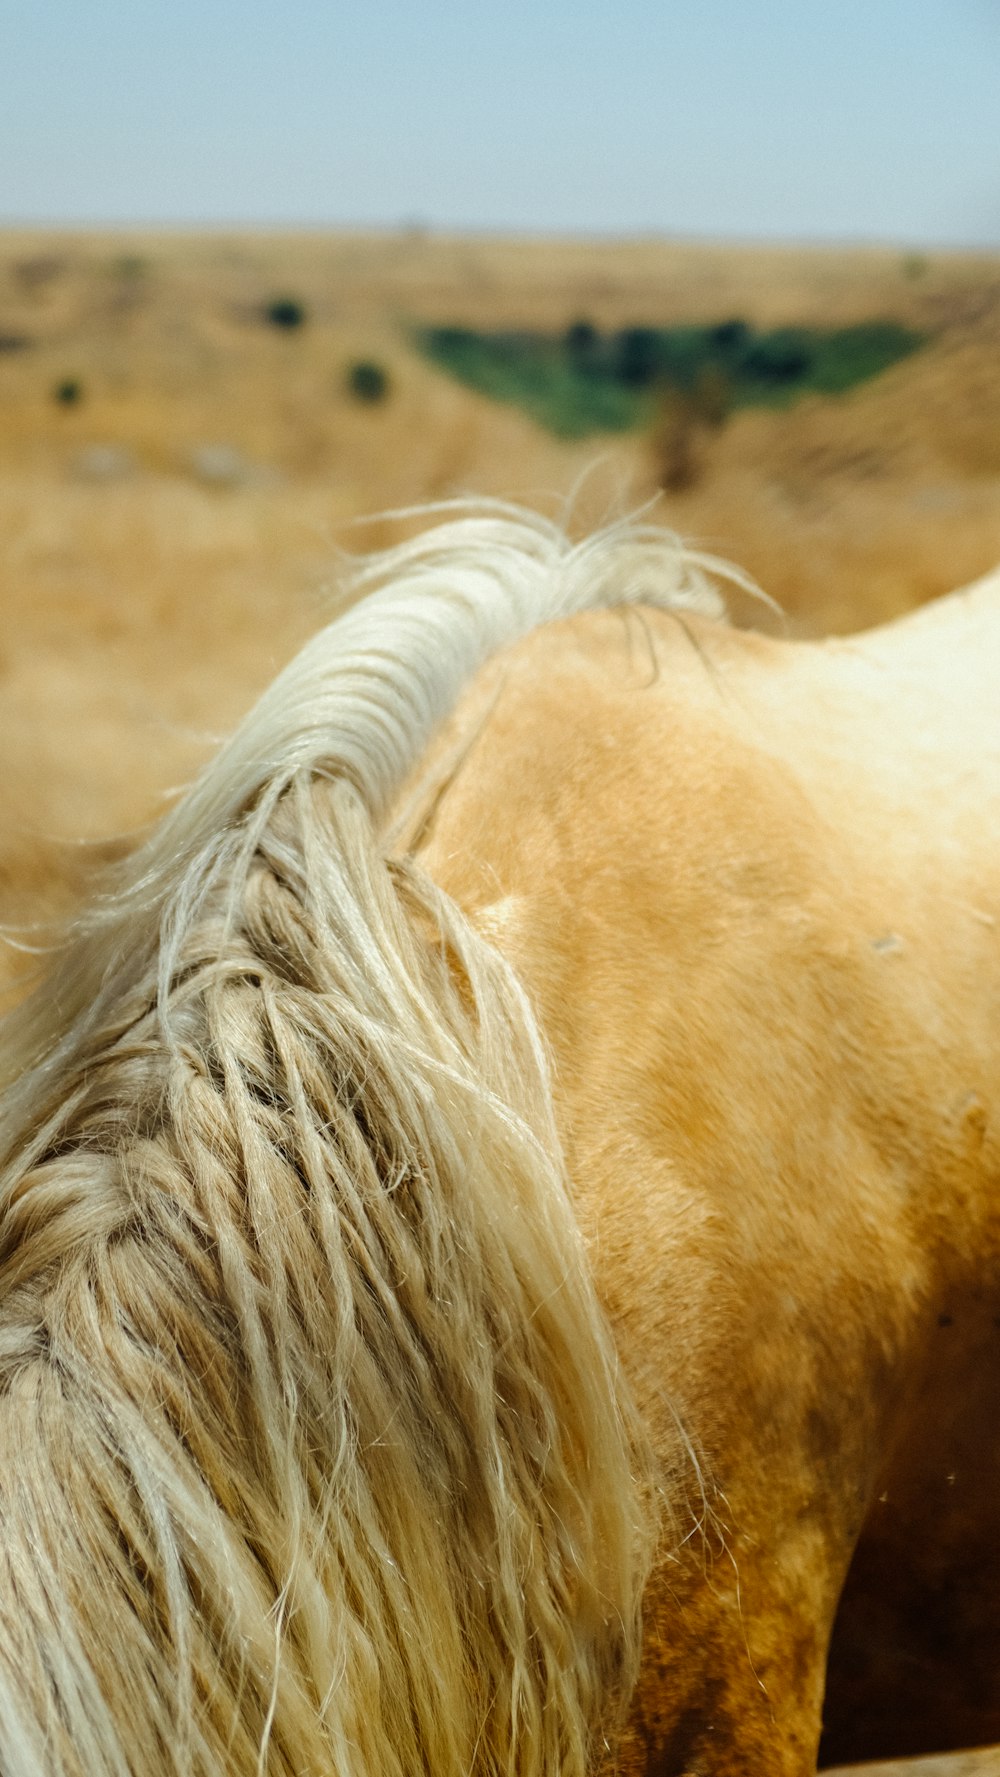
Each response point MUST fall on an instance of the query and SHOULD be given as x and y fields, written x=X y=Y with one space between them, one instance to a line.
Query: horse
x=499 y=1238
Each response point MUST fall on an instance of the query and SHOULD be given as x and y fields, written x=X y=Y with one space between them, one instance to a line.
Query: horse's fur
x=315 y=1451
x=316 y=1456
x=752 y=889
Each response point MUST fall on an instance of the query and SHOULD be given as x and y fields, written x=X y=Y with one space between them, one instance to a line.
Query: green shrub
x=782 y=357
x=853 y=354
x=286 y=313
x=638 y=357
x=730 y=339
x=581 y=381
x=581 y=341
x=367 y=381
x=68 y=392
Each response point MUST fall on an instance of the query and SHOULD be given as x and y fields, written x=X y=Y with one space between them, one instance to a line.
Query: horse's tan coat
x=753 y=890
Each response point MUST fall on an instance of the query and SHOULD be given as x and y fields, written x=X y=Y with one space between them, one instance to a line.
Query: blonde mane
x=316 y=1453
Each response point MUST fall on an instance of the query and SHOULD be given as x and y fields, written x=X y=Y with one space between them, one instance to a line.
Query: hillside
x=177 y=473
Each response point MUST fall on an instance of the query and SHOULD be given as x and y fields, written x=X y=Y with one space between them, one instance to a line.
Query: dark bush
x=684 y=352
x=534 y=371
x=729 y=338
x=638 y=356
x=445 y=340
x=286 y=313
x=367 y=381
x=783 y=356
x=584 y=348
x=580 y=339
x=69 y=392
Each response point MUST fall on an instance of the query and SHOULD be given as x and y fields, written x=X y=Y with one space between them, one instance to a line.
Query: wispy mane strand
x=318 y=1457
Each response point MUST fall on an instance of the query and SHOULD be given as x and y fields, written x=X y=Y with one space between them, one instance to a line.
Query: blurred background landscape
x=269 y=276
x=741 y=271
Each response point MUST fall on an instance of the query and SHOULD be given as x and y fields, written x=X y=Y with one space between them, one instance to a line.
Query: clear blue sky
x=817 y=119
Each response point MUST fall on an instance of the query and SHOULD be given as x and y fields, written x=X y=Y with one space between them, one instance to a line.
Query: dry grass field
x=170 y=535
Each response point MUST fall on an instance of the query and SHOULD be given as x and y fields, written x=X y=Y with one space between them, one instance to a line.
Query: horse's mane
x=315 y=1453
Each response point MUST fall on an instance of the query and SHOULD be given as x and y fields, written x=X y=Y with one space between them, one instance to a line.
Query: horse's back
x=662 y=777
x=752 y=888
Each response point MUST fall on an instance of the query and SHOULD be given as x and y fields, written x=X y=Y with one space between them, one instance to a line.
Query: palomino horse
x=498 y=1245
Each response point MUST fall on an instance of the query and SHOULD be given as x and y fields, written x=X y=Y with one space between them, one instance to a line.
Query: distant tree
x=286 y=313
x=368 y=381
x=729 y=338
x=582 y=346
x=68 y=392
x=580 y=337
x=638 y=357
x=675 y=454
x=684 y=418
x=780 y=357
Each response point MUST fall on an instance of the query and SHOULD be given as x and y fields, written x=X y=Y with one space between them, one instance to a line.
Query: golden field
x=167 y=540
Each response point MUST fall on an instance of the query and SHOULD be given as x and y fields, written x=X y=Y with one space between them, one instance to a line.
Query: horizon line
x=417 y=229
